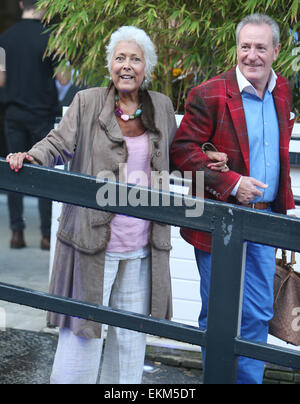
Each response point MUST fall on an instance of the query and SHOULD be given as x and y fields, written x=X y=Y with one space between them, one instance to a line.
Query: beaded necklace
x=125 y=117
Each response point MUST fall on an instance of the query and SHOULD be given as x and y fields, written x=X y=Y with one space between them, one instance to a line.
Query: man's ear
x=276 y=51
x=21 y=5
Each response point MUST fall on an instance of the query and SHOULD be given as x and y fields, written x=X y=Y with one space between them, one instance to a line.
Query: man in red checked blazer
x=246 y=114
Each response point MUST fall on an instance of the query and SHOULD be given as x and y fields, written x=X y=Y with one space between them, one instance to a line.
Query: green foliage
x=194 y=37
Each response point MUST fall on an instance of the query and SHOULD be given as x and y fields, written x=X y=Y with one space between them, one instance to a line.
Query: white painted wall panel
x=181 y=250
x=185 y=289
x=184 y=269
x=184 y=311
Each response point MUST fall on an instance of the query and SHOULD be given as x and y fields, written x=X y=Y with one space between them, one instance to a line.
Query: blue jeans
x=257 y=303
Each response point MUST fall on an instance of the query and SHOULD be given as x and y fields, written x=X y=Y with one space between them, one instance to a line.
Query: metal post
x=226 y=292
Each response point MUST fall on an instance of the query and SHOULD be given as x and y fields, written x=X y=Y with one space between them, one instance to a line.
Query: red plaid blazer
x=214 y=113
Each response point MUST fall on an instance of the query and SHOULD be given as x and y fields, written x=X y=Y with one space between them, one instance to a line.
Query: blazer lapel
x=282 y=110
x=236 y=109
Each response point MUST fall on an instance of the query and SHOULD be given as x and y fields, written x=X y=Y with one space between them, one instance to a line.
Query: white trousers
x=127 y=286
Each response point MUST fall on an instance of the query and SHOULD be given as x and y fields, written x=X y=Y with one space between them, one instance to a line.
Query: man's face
x=256 y=53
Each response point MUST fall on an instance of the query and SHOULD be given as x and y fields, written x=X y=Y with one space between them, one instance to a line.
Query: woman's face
x=128 y=67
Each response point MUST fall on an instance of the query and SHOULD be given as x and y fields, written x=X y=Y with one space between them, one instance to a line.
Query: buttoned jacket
x=215 y=113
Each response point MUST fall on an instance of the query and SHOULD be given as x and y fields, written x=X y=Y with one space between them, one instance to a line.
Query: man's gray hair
x=259 y=19
x=131 y=33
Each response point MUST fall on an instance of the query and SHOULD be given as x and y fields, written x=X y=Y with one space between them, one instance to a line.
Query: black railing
x=297 y=200
x=231 y=227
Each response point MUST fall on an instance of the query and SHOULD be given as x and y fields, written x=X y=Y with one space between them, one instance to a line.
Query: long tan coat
x=90 y=138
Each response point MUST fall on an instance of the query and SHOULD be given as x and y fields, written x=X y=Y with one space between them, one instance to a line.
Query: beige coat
x=90 y=138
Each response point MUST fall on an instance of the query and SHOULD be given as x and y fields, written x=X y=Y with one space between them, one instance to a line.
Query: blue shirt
x=263 y=134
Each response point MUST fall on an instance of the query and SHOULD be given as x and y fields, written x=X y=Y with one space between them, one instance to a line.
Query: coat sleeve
x=58 y=147
x=172 y=122
x=198 y=127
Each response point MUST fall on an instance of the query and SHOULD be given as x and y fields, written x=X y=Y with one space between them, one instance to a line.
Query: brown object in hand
x=286 y=321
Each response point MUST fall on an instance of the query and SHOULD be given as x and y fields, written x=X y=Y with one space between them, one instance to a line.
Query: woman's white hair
x=131 y=33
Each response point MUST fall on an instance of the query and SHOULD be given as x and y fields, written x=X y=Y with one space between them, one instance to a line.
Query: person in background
x=31 y=103
x=246 y=114
x=100 y=257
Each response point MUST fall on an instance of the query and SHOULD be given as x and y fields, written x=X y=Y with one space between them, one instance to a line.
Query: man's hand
x=219 y=161
x=247 y=190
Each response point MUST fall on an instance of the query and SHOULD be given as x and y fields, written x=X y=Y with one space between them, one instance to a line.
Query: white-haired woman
x=100 y=257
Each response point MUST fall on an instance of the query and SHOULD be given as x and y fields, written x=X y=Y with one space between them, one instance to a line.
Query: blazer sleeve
x=197 y=127
x=58 y=147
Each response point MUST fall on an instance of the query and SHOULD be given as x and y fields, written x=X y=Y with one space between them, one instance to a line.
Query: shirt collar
x=245 y=85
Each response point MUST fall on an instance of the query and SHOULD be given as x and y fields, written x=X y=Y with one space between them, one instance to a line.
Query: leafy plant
x=195 y=39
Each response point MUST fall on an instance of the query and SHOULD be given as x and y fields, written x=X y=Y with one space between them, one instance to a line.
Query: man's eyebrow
x=256 y=44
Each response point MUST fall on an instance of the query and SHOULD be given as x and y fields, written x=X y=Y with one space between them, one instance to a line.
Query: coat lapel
x=236 y=109
x=107 y=118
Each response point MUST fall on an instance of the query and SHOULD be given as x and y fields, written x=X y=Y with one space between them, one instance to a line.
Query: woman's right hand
x=16 y=160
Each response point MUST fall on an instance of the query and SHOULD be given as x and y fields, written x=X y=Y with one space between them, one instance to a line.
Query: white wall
x=185 y=281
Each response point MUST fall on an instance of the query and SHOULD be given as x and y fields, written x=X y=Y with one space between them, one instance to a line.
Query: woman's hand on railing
x=16 y=160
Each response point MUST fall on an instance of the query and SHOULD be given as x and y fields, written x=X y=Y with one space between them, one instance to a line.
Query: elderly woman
x=100 y=257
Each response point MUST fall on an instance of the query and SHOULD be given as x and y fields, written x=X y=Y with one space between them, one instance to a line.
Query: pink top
x=130 y=233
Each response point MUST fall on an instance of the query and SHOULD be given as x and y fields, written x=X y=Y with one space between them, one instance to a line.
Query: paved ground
x=28 y=267
x=26 y=350
x=27 y=357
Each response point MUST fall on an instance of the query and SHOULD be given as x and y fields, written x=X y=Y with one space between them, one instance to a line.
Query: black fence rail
x=231 y=227
x=297 y=200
